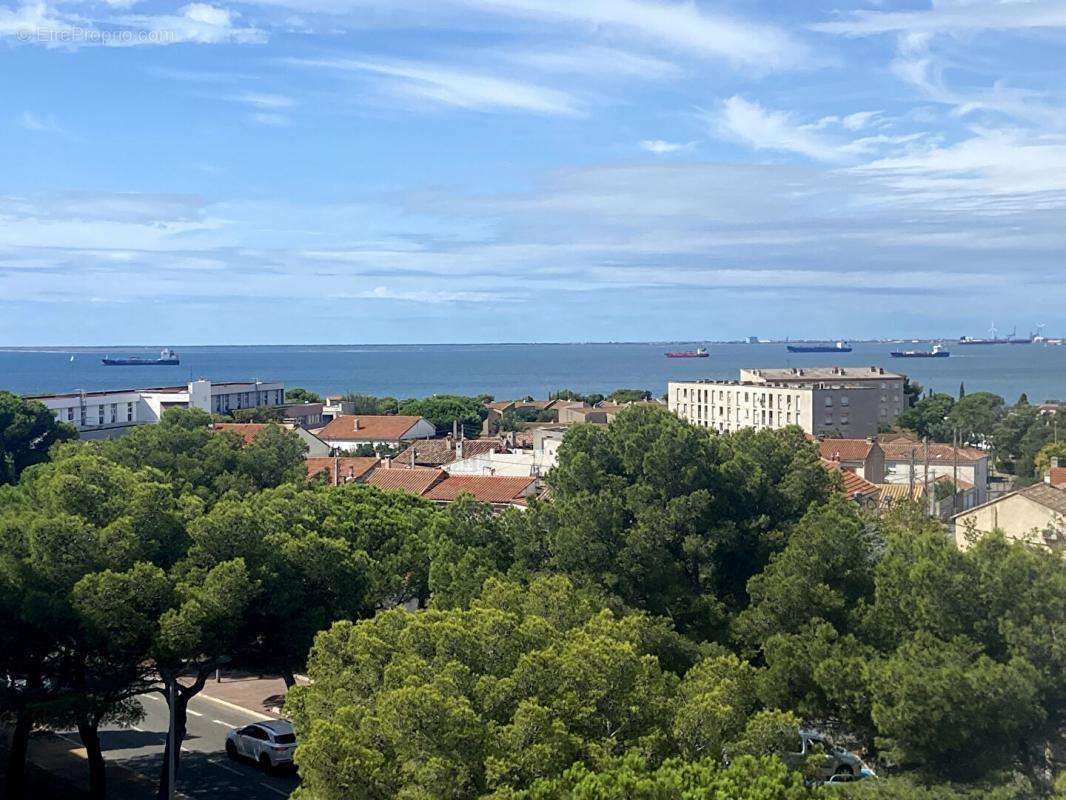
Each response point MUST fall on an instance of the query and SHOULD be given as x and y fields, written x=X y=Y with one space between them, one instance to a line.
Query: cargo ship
x=936 y=352
x=167 y=358
x=839 y=347
x=1009 y=339
x=699 y=352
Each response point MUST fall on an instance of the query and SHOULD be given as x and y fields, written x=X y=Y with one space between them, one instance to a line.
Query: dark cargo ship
x=936 y=352
x=699 y=352
x=167 y=358
x=839 y=347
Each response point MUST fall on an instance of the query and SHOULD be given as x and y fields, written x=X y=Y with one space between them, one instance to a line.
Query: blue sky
x=529 y=170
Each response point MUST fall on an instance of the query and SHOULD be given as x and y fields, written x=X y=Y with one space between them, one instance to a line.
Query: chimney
x=458 y=449
x=388 y=462
x=351 y=474
x=455 y=429
x=336 y=471
x=412 y=451
x=355 y=423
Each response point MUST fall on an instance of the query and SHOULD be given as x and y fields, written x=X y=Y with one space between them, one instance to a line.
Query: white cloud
x=684 y=26
x=449 y=86
x=660 y=147
x=273 y=120
x=764 y=129
x=600 y=62
x=41 y=124
x=264 y=100
x=954 y=16
x=995 y=169
x=198 y=23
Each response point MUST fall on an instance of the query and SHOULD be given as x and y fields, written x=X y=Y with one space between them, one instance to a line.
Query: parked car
x=270 y=744
x=829 y=759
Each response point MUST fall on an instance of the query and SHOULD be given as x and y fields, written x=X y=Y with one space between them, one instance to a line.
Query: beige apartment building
x=831 y=401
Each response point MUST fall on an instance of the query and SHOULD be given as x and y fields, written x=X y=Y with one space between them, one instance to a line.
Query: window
x=70 y=414
x=828 y=417
x=114 y=412
x=129 y=412
x=285 y=738
x=844 y=418
x=828 y=402
x=843 y=399
x=100 y=416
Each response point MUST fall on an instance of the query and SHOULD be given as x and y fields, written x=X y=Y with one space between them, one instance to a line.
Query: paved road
x=205 y=772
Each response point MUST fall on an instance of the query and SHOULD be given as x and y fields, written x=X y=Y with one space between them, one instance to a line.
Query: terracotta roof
x=900 y=450
x=889 y=493
x=340 y=469
x=416 y=481
x=1058 y=477
x=247 y=430
x=1047 y=496
x=372 y=428
x=436 y=452
x=947 y=479
x=853 y=484
x=486 y=488
x=845 y=449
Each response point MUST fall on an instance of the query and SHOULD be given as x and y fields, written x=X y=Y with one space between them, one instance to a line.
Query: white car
x=270 y=744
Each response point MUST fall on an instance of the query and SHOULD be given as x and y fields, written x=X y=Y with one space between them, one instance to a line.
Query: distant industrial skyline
x=397 y=171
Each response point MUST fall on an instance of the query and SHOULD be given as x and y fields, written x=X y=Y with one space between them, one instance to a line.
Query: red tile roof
x=900 y=450
x=435 y=452
x=1058 y=477
x=416 y=481
x=845 y=449
x=486 y=488
x=372 y=428
x=853 y=484
x=247 y=430
x=340 y=469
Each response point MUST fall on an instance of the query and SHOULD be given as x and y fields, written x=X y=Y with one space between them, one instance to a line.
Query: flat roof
x=823 y=373
x=139 y=390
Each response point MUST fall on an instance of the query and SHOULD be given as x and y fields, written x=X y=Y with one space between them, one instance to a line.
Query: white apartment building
x=827 y=402
x=105 y=414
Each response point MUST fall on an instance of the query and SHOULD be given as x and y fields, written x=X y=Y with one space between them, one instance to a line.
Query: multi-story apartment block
x=833 y=401
x=104 y=414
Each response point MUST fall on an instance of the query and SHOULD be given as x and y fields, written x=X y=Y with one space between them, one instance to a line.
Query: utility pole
x=955 y=473
x=930 y=494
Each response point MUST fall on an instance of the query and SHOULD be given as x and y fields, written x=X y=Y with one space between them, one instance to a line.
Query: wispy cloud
x=448 y=86
x=264 y=100
x=953 y=16
x=682 y=26
x=660 y=147
x=42 y=124
x=749 y=123
x=601 y=62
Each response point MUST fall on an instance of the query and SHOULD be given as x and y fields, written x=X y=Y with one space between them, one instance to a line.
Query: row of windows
x=231 y=402
x=103 y=414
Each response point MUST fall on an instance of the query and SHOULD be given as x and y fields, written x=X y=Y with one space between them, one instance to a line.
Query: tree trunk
x=88 y=729
x=182 y=696
x=289 y=678
x=16 y=765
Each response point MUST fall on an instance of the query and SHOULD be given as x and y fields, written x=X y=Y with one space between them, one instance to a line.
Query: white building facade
x=104 y=414
x=829 y=404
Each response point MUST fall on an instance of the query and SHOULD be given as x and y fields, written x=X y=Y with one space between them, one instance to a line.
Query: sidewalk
x=263 y=694
x=57 y=770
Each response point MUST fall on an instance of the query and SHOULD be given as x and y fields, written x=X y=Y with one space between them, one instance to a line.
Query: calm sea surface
x=515 y=370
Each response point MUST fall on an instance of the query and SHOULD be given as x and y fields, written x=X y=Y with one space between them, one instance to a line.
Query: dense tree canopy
x=660 y=627
x=27 y=431
x=444 y=409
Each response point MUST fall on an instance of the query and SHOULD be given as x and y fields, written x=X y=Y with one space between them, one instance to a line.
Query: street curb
x=261 y=716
